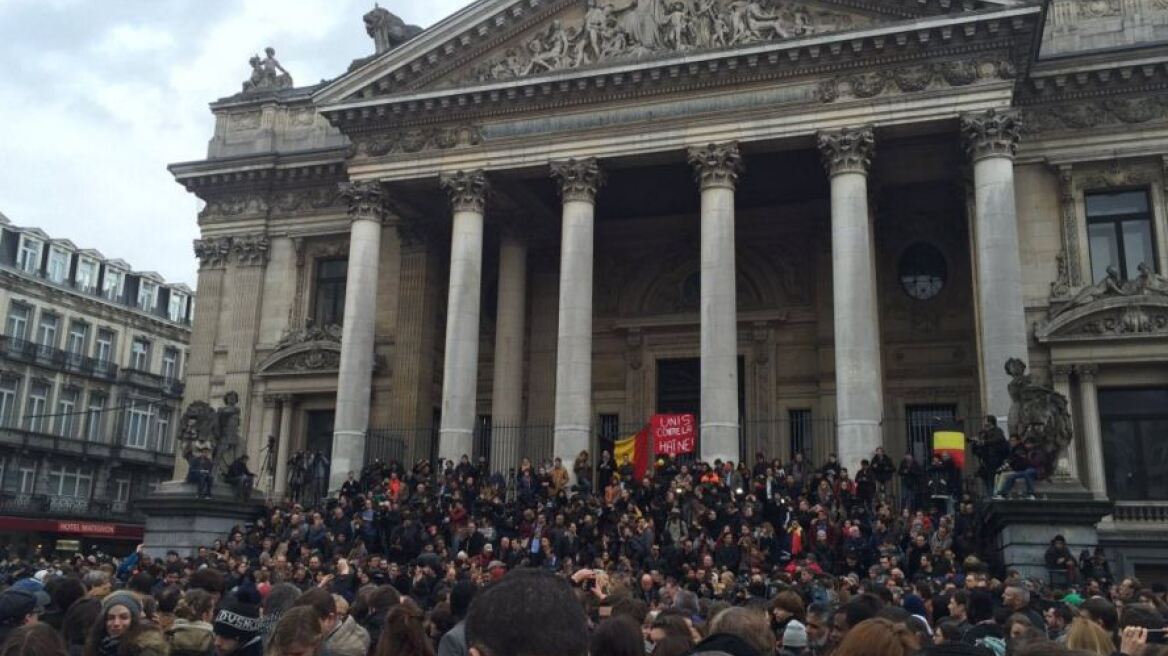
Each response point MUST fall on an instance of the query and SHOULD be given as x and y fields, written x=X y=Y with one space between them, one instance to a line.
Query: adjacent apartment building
x=91 y=367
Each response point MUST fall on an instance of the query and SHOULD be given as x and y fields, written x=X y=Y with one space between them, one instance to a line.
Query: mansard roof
x=493 y=47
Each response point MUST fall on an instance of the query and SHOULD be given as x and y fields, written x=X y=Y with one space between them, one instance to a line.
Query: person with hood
x=454 y=642
x=737 y=631
x=237 y=630
x=192 y=633
x=120 y=630
x=17 y=608
x=341 y=637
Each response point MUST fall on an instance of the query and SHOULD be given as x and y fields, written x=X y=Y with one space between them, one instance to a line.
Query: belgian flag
x=636 y=449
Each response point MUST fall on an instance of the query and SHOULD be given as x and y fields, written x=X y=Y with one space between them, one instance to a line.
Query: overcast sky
x=96 y=98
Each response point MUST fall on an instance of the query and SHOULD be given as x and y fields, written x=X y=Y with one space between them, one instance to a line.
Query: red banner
x=673 y=435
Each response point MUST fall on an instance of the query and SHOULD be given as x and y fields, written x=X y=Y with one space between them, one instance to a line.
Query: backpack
x=993 y=643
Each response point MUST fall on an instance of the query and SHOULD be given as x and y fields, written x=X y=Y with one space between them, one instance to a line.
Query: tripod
x=268 y=468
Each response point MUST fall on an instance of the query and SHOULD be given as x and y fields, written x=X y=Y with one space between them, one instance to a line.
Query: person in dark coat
x=992 y=449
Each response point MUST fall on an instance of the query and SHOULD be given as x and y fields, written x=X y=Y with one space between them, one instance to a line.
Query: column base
x=569 y=441
x=856 y=440
x=348 y=456
x=719 y=442
x=453 y=443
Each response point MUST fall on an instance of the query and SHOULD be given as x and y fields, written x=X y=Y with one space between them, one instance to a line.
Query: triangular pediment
x=493 y=41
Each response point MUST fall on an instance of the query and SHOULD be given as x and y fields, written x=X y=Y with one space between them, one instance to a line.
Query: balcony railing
x=24 y=350
x=168 y=386
x=97 y=507
x=102 y=448
x=1141 y=511
x=123 y=299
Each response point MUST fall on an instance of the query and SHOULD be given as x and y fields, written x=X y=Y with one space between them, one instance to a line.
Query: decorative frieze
x=716 y=165
x=847 y=150
x=251 y=250
x=235 y=204
x=993 y=133
x=416 y=140
x=578 y=179
x=467 y=190
x=298 y=200
x=1105 y=112
x=366 y=200
x=212 y=252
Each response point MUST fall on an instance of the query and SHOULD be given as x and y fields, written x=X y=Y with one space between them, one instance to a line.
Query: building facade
x=91 y=364
x=820 y=226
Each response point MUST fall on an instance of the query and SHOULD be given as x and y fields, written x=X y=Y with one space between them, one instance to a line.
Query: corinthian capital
x=716 y=165
x=212 y=252
x=366 y=199
x=467 y=190
x=579 y=179
x=992 y=133
x=251 y=250
x=847 y=150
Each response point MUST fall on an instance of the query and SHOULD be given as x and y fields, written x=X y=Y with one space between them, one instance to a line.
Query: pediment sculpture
x=1112 y=307
x=267 y=74
x=639 y=29
x=308 y=349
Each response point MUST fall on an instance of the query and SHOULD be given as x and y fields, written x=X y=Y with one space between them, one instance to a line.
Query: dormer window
x=112 y=288
x=147 y=292
x=177 y=309
x=29 y=257
x=86 y=279
x=58 y=265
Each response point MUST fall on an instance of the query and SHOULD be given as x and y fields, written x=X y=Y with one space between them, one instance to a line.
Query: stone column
x=991 y=139
x=468 y=195
x=716 y=167
x=1092 y=431
x=367 y=211
x=1068 y=464
x=578 y=182
x=283 y=445
x=859 y=390
x=510 y=325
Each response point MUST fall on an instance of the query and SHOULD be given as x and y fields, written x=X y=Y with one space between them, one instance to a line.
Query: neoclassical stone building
x=820 y=225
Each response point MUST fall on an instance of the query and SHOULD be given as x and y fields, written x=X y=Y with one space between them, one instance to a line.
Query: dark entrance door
x=319 y=433
x=679 y=388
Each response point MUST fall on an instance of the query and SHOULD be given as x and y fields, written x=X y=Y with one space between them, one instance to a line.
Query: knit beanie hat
x=238 y=621
x=795 y=635
x=121 y=598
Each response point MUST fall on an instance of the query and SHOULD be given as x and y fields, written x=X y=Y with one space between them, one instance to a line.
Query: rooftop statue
x=266 y=73
x=387 y=29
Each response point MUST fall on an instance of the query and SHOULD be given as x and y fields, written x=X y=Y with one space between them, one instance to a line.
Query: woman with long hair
x=34 y=640
x=192 y=633
x=404 y=633
x=1085 y=635
x=878 y=637
x=298 y=633
x=120 y=631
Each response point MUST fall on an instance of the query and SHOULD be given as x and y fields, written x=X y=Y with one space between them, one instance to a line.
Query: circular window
x=922 y=271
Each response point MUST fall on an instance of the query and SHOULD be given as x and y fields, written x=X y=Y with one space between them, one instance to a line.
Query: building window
x=47 y=330
x=1119 y=232
x=29 y=257
x=1134 y=424
x=922 y=271
x=9 y=395
x=18 y=317
x=177 y=307
x=58 y=265
x=112 y=285
x=329 y=291
x=94 y=412
x=27 y=479
x=163 y=429
x=103 y=349
x=801 y=431
x=170 y=362
x=146 y=295
x=122 y=490
x=37 y=408
x=66 y=419
x=921 y=422
x=78 y=337
x=86 y=278
x=140 y=354
x=68 y=481
x=138 y=417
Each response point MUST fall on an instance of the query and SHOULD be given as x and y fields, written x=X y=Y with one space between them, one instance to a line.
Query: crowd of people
x=691 y=558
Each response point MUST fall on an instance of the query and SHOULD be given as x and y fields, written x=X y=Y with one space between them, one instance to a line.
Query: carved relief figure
x=648 y=27
x=1148 y=282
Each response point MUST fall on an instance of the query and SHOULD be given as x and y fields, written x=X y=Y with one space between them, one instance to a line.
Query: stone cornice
x=250 y=172
x=924 y=39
